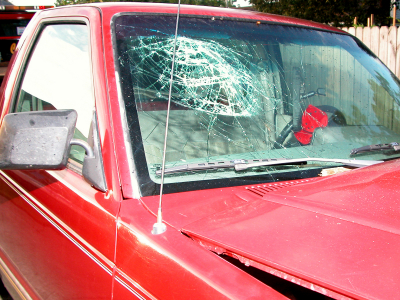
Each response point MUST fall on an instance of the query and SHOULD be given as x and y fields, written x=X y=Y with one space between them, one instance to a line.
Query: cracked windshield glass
x=246 y=90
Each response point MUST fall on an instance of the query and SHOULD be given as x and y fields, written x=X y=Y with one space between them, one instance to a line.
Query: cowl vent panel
x=261 y=190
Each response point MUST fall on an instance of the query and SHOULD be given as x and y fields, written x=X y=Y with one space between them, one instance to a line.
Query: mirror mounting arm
x=84 y=145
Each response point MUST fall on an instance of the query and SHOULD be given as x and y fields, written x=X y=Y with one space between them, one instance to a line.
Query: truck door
x=57 y=232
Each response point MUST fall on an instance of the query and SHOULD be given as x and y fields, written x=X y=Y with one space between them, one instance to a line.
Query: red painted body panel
x=162 y=263
x=51 y=257
x=118 y=141
x=302 y=229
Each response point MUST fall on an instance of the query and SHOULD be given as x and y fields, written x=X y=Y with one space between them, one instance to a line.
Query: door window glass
x=58 y=77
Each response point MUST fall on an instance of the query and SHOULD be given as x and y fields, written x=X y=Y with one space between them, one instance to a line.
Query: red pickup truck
x=157 y=151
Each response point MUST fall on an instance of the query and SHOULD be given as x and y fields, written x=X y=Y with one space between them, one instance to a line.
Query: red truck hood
x=338 y=235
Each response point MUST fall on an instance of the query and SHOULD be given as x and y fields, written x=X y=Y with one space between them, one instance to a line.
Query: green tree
x=336 y=12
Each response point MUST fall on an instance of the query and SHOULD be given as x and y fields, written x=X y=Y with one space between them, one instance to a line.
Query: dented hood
x=338 y=235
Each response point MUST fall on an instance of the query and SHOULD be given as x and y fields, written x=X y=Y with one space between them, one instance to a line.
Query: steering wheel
x=336 y=118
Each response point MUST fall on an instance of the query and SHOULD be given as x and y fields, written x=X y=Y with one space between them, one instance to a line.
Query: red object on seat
x=312 y=118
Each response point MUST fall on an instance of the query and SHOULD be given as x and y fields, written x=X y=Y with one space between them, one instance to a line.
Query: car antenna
x=160 y=227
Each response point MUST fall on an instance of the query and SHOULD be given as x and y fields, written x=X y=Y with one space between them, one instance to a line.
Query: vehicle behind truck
x=13 y=21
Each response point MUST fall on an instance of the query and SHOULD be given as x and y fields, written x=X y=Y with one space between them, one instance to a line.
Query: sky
x=242 y=3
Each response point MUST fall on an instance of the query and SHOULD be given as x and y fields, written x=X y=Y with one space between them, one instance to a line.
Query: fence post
x=397 y=71
x=375 y=40
x=383 y=44
x=366 y=37
x=359 y=32
x=392 y=44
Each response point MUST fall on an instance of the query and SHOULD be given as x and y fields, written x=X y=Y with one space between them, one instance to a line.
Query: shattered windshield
x=245 y=90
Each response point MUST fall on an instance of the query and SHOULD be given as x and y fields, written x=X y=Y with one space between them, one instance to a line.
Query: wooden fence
x=383 y=41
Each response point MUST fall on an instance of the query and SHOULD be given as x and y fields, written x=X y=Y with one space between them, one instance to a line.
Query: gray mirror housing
x=36 y=140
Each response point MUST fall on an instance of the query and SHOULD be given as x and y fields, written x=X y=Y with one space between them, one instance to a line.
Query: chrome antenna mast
x=159 y=227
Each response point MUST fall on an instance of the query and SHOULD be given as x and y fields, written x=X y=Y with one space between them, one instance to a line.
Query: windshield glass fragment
x=243 y=91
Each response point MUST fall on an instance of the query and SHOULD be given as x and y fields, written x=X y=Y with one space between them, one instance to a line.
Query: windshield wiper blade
x=288 y=161
x=203 y=166
x=391 y=146
x=242 y=164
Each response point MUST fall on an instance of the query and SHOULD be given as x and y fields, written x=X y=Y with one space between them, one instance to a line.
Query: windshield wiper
x=288 y=161
x=391 y=146
x=203 y=166
x=242 y=164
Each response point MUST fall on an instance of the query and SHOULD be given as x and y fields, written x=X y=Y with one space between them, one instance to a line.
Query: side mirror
x=36 y=140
